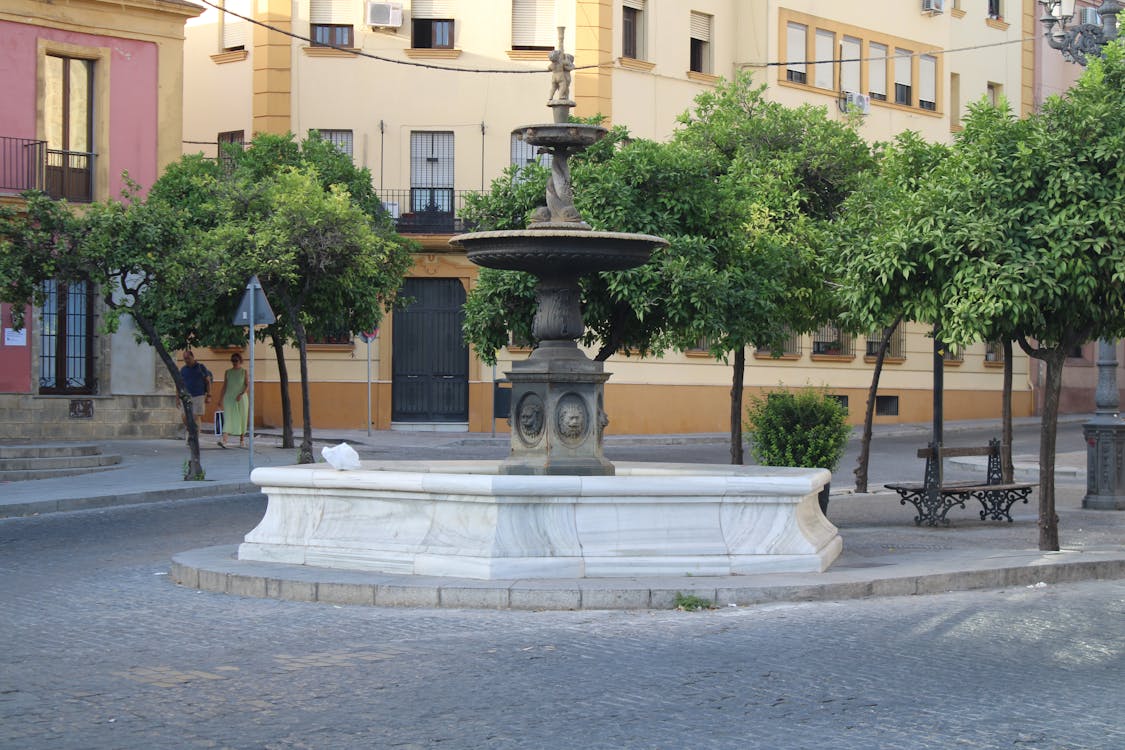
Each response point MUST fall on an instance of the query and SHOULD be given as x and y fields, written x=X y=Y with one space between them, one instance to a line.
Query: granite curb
x=216 y=569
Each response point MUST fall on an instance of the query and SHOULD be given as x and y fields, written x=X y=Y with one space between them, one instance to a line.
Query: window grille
x=66 y=338
x=896 y=347
x=886 y=406
x=994 y=351
x=341 y=139
x=524 y=153
x=431 y=174
x=829 y=339
x=791 y=347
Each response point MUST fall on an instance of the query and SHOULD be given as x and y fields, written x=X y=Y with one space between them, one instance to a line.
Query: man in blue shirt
x=197 y=379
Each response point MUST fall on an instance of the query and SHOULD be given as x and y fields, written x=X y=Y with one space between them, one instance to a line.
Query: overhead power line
x=517 y=71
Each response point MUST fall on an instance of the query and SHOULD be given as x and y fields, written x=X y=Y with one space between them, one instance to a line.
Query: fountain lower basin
x=463 y=519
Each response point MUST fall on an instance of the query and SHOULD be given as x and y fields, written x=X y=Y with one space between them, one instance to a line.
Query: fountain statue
x=555 y=508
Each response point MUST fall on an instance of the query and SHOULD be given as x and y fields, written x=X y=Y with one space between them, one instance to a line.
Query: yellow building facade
x=426 y=94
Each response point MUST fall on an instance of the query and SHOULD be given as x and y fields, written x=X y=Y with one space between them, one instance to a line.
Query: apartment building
x=91 y=89
x=426 y=94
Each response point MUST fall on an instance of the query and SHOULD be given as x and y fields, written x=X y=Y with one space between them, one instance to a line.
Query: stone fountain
x=555 y=508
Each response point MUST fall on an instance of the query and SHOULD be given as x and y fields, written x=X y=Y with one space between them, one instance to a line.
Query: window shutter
x=877 y=69
x=825 y=50
x=795 y=47
x=927 y=78
x=902 y=67
x=234 y=28
x=532 y=23
x=700 y=26
x=330 y=12
x=431 y=9
x=635 y=4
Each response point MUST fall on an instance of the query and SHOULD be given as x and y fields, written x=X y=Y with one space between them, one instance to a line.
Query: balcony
x=426 y=210
x=27 y=164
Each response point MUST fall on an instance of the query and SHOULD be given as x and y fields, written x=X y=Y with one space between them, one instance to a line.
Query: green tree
x=332 y=289
x=133 y=251
x=740 y=193
x=1038 y=244
x=883 y=259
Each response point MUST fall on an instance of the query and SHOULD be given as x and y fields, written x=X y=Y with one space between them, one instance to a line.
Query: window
x=955 y=100
x=341 y=139
x=431 y=182
x=994 y=9
x=795 y=36
x=824 y=73
x=927 y=82
x=331 y=35
x=995 y=93
x=790 y=348
x=896 y=347
x=524 y=153
x=533 y=24
x=431 y=24
x=700 y=52
x=633 y=29
x=330 y=23
x=66 y=338
x=903 y=89
x=886 y=406
x=69 y=123
x=994 y=351
x=227 y=141
x=851 y=52
x=877 y=71
x=235 y=29
x=831 y=340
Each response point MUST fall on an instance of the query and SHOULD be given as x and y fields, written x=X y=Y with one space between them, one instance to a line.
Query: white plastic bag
x=342 y=457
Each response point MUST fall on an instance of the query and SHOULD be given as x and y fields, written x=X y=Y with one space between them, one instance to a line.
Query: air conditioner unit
x=384 y=14
x=933 y=6
x=855 y=100
x=1089 y=15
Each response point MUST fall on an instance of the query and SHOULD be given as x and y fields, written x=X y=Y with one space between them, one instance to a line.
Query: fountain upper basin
x=552 y=251
x=463 y=519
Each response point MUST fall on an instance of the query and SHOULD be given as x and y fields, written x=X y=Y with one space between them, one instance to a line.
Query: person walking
x=235 y=402
x=197 y=379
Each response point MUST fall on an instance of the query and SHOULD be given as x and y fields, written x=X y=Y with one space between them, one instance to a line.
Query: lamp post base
x=1105 y=463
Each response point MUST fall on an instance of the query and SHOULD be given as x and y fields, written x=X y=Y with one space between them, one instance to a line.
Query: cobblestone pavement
x=101 y=651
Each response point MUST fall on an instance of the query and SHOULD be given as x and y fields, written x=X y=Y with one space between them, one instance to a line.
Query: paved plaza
x=103 y=651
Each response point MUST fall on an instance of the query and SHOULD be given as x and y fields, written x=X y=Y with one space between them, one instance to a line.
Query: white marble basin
x=462 y=519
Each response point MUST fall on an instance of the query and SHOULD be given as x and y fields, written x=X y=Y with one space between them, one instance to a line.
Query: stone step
x=49 y=450
x=57 y=462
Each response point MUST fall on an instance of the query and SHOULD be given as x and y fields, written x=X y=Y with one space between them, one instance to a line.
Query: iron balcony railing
x=27 y=164
x=426 y=210
x=23 y=163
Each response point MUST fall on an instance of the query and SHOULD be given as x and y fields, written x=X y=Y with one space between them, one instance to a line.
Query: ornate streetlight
x=1105 y=433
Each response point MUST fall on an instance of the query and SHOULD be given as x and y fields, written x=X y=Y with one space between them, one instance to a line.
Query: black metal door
x=430 y=360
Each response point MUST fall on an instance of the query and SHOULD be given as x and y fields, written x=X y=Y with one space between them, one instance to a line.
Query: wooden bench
x=934 y=498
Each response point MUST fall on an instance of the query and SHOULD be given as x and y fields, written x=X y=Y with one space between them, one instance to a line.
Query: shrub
x=805 y=428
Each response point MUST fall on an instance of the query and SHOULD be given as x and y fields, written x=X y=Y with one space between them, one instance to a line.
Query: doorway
x=430 y=359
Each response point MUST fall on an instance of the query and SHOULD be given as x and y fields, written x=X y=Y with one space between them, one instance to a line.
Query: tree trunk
x=283 y=382
x=736 y=456
x=305 y=452
x=193 y=471
x=1048 y=519
x=869 y=412
x=1006 y=468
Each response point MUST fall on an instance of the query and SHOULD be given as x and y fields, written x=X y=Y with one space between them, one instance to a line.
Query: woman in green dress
x=234 y=401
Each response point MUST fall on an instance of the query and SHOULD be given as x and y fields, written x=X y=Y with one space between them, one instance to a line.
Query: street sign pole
x=254 y=310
